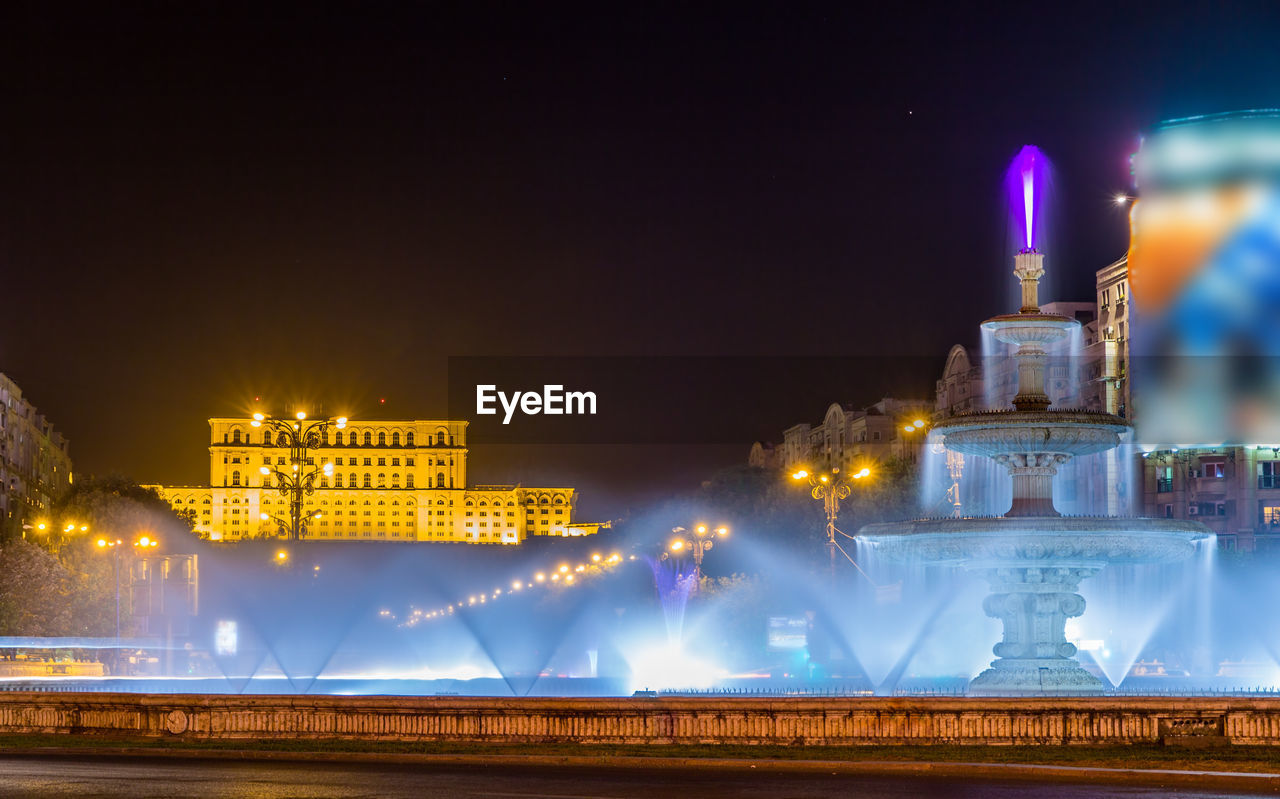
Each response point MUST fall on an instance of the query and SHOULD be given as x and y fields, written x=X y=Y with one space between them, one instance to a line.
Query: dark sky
x=204 y=203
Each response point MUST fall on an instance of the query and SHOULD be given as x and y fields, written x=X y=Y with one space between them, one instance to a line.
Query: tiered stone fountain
x=1032 y=557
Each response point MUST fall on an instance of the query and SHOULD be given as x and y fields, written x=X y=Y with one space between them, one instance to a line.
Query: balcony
x=1164 y=485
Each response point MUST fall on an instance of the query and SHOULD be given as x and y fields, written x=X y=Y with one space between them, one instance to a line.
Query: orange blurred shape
x=1172 y=236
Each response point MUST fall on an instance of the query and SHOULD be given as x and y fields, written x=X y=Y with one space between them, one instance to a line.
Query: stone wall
x=833 y=721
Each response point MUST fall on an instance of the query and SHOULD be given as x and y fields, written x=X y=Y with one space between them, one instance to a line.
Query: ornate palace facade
x=389 y=481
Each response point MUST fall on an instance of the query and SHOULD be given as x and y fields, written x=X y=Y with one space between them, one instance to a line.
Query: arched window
x=368 y=482
x=439 y=479
x=352 y=481
x=395 y=481
x=351 y=438
x=408 y=481
x=235 y=478
x=395 y=439
x=324 y=482
x=337 y=481
x=382 y=438
x=408 y=439
x=440 y=439
x=382 y=481
x=470 y=503
x=235 y=436
x=368 y=438
x=282 y=440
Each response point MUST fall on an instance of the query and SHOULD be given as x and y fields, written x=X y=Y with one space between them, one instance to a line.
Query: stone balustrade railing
x=828 y=721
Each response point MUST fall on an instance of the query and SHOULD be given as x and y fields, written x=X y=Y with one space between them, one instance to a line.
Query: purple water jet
x=1027 y=183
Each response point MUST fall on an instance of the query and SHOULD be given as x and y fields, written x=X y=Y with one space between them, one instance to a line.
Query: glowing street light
x=114 y=546
x=299 y=480
x=830 y=489
x=701 y=542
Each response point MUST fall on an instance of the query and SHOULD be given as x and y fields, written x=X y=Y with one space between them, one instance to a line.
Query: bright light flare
x=677 y=545
x=800 y=475
x=301 y=415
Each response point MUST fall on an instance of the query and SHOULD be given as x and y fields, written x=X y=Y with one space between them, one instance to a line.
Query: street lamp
x=299 y=479
x=113 y=546
x=55 y=534
x=699 y=543
x=831 y=487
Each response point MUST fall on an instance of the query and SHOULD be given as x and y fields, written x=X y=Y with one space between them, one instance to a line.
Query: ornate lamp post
x=299 y=479
x=830 y=488
x=113 y=546
x=699 y=543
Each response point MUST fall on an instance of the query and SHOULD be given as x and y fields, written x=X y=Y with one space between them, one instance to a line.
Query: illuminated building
x=35 y=466
x=390 y=481
x=848 y=436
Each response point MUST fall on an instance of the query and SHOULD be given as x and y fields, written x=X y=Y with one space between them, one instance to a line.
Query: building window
x=382 y=480
x=368 y=480
x=439 y=479
x=337 y=481
x=395 y=481
x=235 y=478
x=352 y=480
x=351 y=438
x=408 y=481
x=408 y=439
x=1269 y=474
x=1269 y=515
x=440 y=439
x=235 y=436
x=368 y=438
x=382 y=461
x=368 y=461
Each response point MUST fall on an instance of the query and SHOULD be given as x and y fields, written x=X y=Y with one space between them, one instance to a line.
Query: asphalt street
x=38 y=777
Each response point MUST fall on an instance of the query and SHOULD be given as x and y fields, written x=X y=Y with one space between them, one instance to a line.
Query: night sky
x=207 y=203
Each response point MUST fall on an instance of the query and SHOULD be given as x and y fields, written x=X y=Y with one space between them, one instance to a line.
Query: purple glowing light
x=1027 y=183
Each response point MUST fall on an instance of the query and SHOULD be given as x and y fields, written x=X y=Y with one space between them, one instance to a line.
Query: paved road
x=38 y=777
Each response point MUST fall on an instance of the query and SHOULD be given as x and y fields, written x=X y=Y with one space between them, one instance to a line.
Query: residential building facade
x=849 y=437
x=35 y=461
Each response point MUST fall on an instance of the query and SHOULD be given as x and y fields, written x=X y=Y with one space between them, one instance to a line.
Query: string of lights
x=564 y=575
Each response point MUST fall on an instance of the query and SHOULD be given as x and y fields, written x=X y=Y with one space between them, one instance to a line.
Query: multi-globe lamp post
x=831 y=487
x=698 y=543
x=298 y=480
x=113 y=546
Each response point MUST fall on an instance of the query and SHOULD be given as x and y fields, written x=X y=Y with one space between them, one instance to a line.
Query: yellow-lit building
x=390 y=481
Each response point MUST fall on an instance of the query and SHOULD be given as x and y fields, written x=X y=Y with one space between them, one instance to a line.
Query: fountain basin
x=1034 y=566
x=1030 y=328
x=1082 y=542
x=1067 y=433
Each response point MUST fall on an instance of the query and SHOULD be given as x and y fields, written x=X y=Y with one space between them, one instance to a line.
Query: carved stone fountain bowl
x=1029 y=328
x=994 y=433
x=1089 y=542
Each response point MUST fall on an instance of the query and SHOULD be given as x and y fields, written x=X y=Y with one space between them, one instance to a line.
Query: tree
x=36 y=592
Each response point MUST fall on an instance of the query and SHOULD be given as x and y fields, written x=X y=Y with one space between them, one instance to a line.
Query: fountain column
x=1033 y=604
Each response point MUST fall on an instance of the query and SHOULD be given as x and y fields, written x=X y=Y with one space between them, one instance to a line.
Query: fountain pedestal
x=1033 y=603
